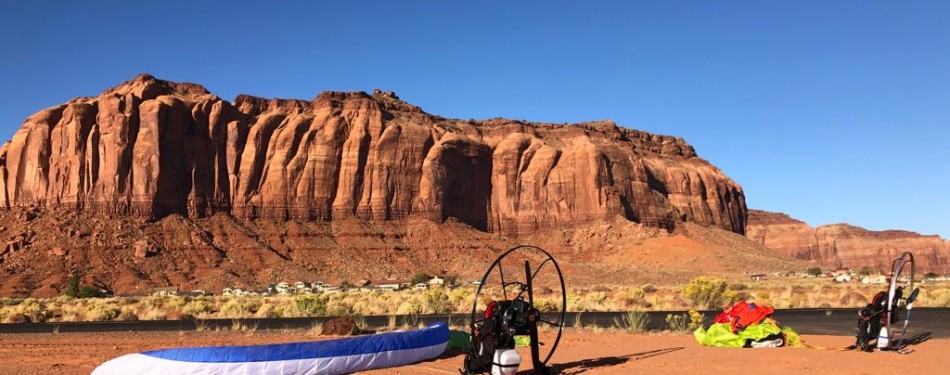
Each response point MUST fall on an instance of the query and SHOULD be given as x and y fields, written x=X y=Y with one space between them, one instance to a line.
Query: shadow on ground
x=579 y=367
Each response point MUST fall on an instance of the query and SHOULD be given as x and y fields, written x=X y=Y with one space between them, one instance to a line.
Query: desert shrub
x=574 y=302
x=593 y=301
x=707 y=292
x=72 y=286
x=738 y=287
x=633 y=321
x=631 y=297
x=814 y=271
x=311 y=305
x=938 y=298
x=196 y=308
x=239 y=308
x=420 y=277
x=339 y=308
x=649 y=288
x=461 y=299
x=31 y=307
x=930 y=275
x=547 y=304
x=411 y=306
x=436 y=301
x=90 y=292
x=101 y=311
x=677 y=322
x=853 y=299
x=695 y=320
x=451 y=279
x=865 y=271
x=266 y=311
x=126 y=314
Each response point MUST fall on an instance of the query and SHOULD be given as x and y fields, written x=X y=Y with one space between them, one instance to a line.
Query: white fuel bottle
x=883 y=339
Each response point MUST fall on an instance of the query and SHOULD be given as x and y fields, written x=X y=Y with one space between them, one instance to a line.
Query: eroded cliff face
x=152 y=148
x=846 y=245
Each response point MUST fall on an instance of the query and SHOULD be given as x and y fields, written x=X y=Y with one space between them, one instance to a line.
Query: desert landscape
x=609 y=188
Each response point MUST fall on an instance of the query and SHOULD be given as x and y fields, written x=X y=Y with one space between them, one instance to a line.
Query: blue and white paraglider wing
x=340 y=356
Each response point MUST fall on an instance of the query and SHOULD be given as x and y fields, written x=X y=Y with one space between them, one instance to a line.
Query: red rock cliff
x=152 y=148
x=847 y=245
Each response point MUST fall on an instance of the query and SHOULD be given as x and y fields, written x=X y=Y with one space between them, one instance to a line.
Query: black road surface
x=841 y=322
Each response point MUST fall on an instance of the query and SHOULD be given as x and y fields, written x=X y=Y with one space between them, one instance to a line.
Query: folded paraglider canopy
x=330 y=357
x=746 y=325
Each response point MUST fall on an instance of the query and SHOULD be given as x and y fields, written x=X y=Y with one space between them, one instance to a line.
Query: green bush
x=311 y=305
x=633 y=321
x=708 y=293
x=814 y=271
x=90 y=292
x=677 y=322
x=695 y=320
x=420 y=277
x=72 y=286
x=436 y=301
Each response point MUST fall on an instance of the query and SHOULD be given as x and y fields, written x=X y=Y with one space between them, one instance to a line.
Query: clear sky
x=830 y=111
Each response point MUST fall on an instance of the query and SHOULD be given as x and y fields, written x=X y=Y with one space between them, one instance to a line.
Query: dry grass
x=780 y=293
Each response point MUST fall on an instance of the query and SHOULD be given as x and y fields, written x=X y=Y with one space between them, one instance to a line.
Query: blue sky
x=828 y=111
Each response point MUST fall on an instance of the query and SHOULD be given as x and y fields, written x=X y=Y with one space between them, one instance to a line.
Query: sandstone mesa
x=151 y=148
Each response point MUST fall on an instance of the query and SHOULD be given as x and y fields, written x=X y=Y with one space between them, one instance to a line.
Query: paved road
x=806 y=321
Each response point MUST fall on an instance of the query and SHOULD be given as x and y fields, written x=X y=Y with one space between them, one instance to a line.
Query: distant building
x=389 y=284
x=437 y=281
x=421 y=286
x=759 y=276
x=843 y=278
x=164 y=292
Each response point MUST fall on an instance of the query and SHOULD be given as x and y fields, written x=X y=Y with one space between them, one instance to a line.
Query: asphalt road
x=840 y=322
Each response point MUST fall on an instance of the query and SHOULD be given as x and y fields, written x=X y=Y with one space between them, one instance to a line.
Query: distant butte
x=846 y=245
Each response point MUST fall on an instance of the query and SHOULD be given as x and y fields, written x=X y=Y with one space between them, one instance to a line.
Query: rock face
x=846 y=245
x=152 y=148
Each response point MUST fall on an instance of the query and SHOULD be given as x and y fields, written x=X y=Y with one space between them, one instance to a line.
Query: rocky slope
x=846 y=245
x=151 y=148
x=126 y=255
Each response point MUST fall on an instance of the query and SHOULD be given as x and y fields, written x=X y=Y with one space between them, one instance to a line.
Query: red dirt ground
x=582 y=352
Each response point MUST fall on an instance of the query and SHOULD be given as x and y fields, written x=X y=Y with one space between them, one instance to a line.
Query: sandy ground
x=582 y=352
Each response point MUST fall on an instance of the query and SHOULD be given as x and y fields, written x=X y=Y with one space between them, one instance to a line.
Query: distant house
x=759 y=276
x=332 y=288
x=843 y=278
x=437 y=281
x=389 y=284
x=421 y=286
x=283 y=288
x=164 y=292
x=300 y=285
x=841 y=271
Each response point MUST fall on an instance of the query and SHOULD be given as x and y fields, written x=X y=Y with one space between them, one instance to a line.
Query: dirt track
x=584 y=352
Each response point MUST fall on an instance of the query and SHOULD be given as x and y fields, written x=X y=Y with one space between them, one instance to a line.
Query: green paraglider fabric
x=458 y=339
x=721 y=335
